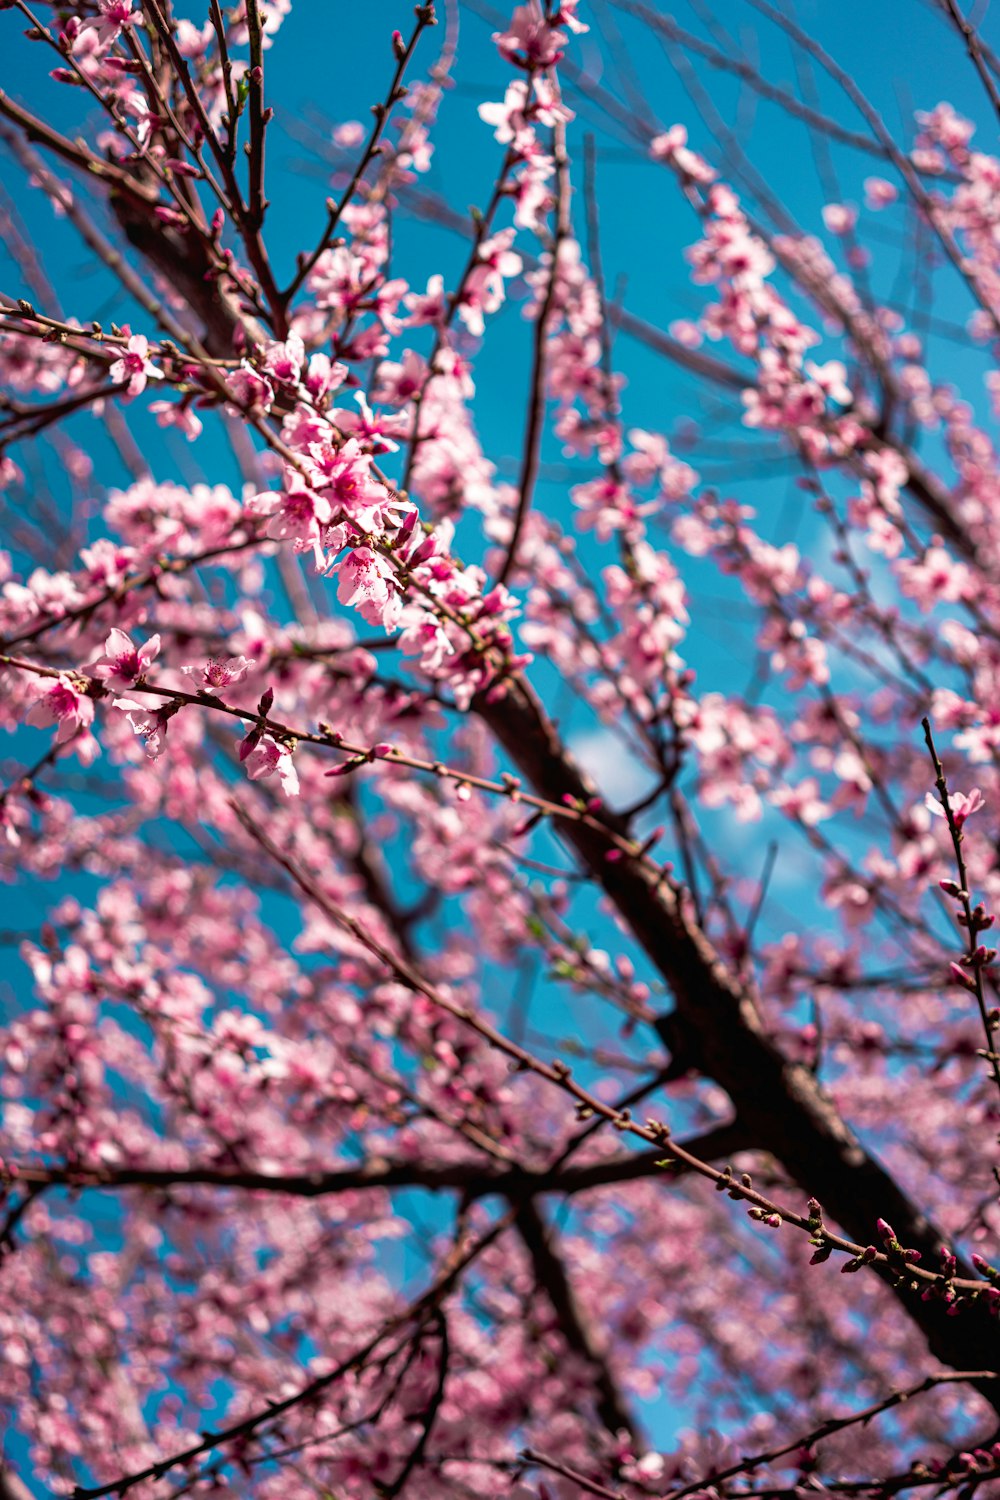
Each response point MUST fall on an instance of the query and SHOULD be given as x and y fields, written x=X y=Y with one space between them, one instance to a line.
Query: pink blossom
x=63 y=702
x=840 y=218
x=217 y=673
x=369 y=427
x=424 y=307
x=179 y=414
x=133 y=367
x=879 y=193
x=250 y=388
x=284 y=361
x=944 y=126
x=349 y=133
x=565 y=15
x=608 y=506
x=148 y=722
x=124 y=663
x=348 y=487
x=510 y=117
x=192 y=41
x=365 y=582
x=831 y=379
x=323 y=375
x=802 y=802
x=531 y=42
x=267 y=757
x=686 y=333
x=935 y=578
x=671 y=148
x=113 y=16
x=298 y=513
x=962 y=805
x=484 y=291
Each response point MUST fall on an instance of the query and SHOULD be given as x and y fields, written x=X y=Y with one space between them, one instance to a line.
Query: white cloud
x=619 y=776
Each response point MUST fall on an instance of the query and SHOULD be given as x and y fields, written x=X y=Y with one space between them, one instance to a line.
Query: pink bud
x=248 y=745
x=345 y=768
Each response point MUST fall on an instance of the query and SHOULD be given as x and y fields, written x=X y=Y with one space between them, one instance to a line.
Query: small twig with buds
x=975 y=919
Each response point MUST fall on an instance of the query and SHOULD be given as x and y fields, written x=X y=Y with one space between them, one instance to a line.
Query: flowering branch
x=974 y=919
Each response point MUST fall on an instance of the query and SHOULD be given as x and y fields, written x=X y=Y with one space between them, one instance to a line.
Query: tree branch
x=779 y=1102
x=552 y=1278
x=474 y=1179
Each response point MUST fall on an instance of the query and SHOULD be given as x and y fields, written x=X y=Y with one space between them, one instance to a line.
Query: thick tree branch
x=552 y=1278
x=779 y=1102
x=474 y=1179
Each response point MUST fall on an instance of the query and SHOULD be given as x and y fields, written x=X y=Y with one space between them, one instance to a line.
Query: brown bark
x=476 y=1178
x=574 y=1325
x=779 y=1103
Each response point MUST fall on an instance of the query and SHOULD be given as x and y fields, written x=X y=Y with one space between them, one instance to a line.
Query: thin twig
x=970 y=916
x=425 y=17
x=536 y=393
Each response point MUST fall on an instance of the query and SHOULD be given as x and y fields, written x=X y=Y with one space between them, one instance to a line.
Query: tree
x=398 y=1106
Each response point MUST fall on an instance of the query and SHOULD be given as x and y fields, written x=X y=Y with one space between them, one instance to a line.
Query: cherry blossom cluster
x=496 y=938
